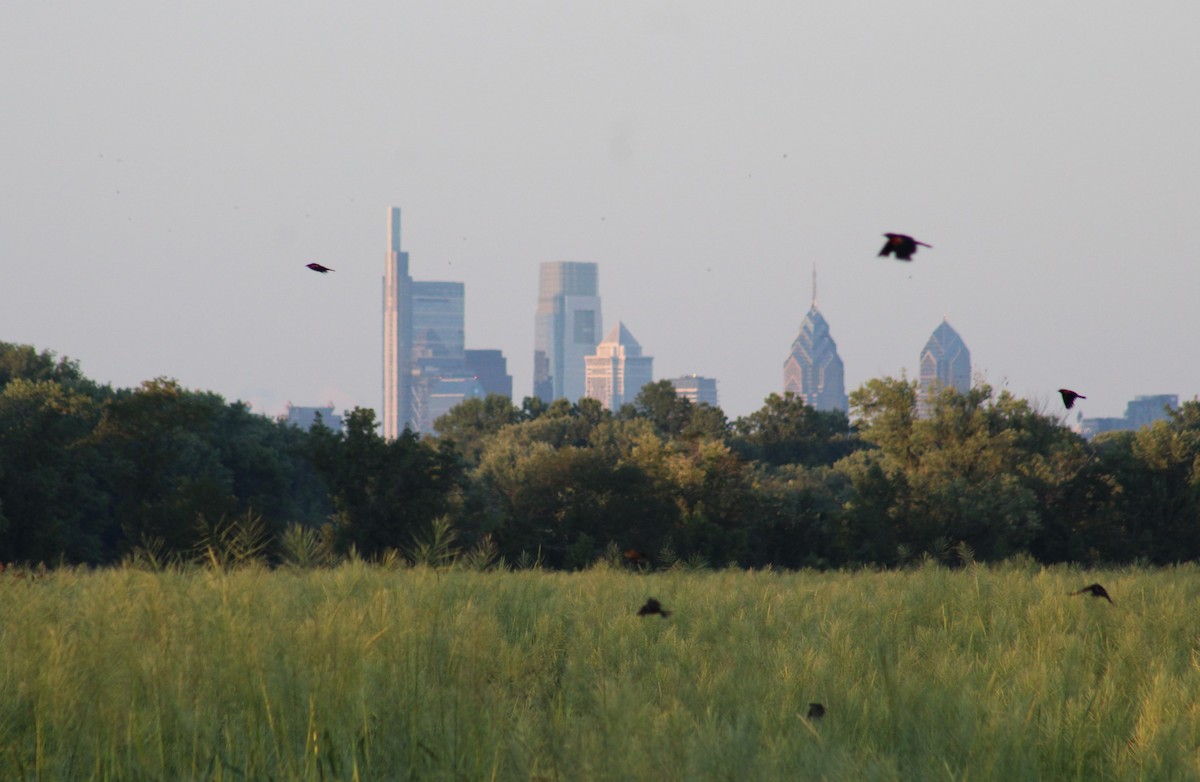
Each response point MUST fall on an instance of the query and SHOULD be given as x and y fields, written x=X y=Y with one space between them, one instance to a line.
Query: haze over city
x=168 y=171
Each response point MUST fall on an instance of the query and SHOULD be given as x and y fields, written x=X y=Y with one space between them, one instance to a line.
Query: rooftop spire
x=814 y=301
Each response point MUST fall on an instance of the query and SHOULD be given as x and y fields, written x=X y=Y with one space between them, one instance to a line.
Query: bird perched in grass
x=636 y=558
x=653 y=607
x=316 y=267
x=901 y=246
x=815 y=711
x=1096 y=590
x=1069 y=397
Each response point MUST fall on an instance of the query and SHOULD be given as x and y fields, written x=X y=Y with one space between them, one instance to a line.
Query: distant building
x=945 y=363
x=438 y=356
x=696 y=389
x=397 y=334
x=566 y=328
x=442 y=394
x=438 y=317
x=1145 y=410
x=307 y=417
x=813 y=370
x=491 y=368
x=1140 y=411
x=1090 y=427
x=618 y=370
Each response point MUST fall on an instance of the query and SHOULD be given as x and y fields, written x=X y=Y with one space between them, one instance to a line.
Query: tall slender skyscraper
x=813 y=370
x=945 y=363
x=566 y=329
x=397 y=334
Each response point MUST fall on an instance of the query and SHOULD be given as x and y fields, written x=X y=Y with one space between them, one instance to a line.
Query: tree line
x=95 y=475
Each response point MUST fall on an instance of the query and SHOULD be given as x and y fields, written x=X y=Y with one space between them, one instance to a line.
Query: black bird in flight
x=1069 y=397
x=815 y=711
x=316 y=267
x=903 y=246
x=1096 y=590
x=653 y=607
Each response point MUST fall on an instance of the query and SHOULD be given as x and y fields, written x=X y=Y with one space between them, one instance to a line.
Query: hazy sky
x=167 y=169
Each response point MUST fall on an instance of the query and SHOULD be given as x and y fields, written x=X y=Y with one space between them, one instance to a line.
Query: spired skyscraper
x=813 y=370
x=566 y=329
x=945 y=363
x=397 y=334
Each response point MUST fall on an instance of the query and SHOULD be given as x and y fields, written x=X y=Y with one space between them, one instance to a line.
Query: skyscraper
x=566 y=328
x=813 y=370
x=438 y=316
x=397 y=334
x=491 y=368
x=618 y=370
x=439 y=374
x=697 y=390
x=945 y=363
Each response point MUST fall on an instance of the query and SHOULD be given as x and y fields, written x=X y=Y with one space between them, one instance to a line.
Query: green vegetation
x=93 y=475
x=368 y=672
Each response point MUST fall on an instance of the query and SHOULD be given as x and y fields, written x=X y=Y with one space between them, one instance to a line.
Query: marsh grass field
x=366 y=672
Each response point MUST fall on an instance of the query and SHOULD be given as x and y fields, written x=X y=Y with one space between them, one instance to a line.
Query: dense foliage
x=89 y=474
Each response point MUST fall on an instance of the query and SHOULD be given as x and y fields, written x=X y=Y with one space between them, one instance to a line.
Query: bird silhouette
x=815 y=711
x=653 y=607
x=316 y=267
x=1069 y=397
x=1096 y=590
x=902 y=246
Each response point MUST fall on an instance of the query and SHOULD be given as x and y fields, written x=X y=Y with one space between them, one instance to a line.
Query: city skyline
x=160 y=203
x=427 y=369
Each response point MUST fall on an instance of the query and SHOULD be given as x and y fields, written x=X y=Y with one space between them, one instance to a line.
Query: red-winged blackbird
x=902 y=246
x=815 y=711
x=1069 y=397
x=1096 y=590
x=316 y=267
x=635 y=557
x=653 y=607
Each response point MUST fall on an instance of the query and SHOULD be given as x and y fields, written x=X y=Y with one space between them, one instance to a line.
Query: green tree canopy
x=786 y=430
x=470 y=423
x=385 y=492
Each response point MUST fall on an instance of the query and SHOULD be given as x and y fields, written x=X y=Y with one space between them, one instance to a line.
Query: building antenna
x=814 y=301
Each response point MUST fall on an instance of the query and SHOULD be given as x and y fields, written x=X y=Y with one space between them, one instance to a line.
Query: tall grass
x=362 y=672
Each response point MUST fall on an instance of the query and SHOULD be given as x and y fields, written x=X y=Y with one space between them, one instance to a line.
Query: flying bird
x=1096 y=590
x=1069 y=397
x=815 y=711
x=903 y=246
x=653 y=607
x=316 y=267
